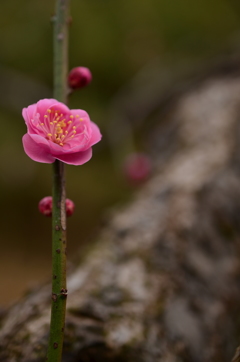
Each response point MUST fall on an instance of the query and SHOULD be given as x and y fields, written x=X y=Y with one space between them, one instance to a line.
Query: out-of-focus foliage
x=115 y=39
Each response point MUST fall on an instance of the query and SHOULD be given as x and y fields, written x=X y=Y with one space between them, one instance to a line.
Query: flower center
x=60 y=128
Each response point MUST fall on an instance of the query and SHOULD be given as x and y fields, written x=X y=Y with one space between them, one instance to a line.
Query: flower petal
x=29 y=112
x=44 y=104
x=36 y=151
x=79 y=112
x=78 y=158
x=41 y=141
x=60 y=107
x=96 y=134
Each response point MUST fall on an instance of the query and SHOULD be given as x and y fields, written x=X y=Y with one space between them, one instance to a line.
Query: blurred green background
x=127 y=44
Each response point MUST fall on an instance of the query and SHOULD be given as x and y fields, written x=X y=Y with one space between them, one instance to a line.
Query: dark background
x=128 y=45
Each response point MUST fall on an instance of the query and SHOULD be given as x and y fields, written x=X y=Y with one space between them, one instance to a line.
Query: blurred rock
x=162 y=282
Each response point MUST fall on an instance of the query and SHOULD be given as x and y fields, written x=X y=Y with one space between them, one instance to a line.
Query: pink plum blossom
x=56 y=132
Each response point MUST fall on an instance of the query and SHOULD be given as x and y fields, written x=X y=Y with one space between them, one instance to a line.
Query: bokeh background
x=135 y=49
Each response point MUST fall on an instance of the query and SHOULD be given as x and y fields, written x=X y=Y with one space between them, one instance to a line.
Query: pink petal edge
x=40 y=140
x=80 y=112
x=96 y=134
x=36 y=151
x=77 y=159
x=44 y=104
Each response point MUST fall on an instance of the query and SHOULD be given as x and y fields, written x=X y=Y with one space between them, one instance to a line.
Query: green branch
x=59 y=290
x=60 y=49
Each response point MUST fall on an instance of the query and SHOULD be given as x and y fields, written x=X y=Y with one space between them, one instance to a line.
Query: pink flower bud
x=137 y=168
x=45 y=206
x=79 y=77
x=70 y=207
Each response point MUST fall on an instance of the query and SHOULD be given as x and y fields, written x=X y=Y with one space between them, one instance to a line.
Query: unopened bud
x=70 y=207
x=79 y=77
x=137 y=168
x=45 y=206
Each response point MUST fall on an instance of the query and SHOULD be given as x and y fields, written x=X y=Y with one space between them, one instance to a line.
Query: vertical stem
x=59 y=291
x=60 y=48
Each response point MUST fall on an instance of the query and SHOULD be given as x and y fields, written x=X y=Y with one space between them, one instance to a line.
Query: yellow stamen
x=49 y=135
x=71 y=116
x=61 y=144
x=62 y=124
x=49 y=111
